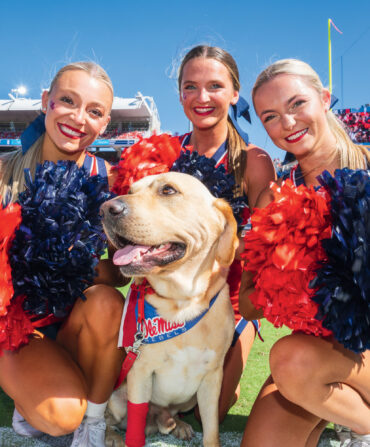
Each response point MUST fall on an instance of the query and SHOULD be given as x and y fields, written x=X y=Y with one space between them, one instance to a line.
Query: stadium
x=130 y=118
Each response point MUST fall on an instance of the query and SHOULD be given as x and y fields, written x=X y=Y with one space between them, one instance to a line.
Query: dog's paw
x=163 y=419
x=113 y=438
x=183 y=430
x=166 y=426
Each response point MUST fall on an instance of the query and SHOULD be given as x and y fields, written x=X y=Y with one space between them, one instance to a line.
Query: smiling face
x=206 y=92
x=294 y=114
x=165 y=221
x=77 y=111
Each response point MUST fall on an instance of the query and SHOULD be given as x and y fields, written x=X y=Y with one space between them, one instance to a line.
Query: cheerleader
x=209 y=87
x=313 y=379
x=62 y=378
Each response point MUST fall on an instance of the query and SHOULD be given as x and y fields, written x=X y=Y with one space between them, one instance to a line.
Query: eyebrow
x=77 y=94
x=218 y=81
x=287 y=103
x=97 y=104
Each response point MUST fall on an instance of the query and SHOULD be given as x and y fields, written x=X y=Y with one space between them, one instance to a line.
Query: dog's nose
x=114 y=208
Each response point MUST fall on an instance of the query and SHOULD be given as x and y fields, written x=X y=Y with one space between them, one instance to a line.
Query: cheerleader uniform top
x=236 y=268
x=295 y=175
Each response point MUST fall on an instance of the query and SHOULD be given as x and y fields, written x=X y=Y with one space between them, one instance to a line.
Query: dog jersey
x=236 y=268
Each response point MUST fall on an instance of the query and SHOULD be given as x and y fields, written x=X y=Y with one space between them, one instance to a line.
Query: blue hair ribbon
x=33 y=132
x=240 y=109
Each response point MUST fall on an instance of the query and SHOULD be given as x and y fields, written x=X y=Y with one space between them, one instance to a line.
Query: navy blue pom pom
x=217 y=180
x=55 y=251
x=344 y=281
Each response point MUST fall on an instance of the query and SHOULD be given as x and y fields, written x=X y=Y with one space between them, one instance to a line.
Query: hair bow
x=33 y=132
x=240 y=109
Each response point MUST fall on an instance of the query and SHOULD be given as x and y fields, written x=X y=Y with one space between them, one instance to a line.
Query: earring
x=44 y=109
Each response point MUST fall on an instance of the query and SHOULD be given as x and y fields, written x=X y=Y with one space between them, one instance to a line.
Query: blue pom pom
x=220 y=183
x=55 y=251
x=344 y=281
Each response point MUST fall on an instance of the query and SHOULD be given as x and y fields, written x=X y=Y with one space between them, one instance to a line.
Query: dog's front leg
x=208 y=395
x=139 y=390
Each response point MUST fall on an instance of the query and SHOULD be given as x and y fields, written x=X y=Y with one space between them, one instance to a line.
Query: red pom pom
x=283 y=249
x=10 y=218
x=148 y=156
x=15 y=326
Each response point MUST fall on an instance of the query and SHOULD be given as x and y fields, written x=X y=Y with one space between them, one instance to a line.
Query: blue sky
x=140 y=43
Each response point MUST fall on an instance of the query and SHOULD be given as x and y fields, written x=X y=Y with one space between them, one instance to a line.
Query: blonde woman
x=313 y=380
x=68 y=368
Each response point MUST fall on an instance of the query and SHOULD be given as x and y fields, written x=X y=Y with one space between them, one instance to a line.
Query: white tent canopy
x=139 y=108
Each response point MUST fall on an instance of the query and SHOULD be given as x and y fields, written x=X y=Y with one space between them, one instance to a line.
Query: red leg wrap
x=136 y=419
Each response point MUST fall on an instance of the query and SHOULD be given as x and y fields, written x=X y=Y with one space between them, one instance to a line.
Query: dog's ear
x=228 y=241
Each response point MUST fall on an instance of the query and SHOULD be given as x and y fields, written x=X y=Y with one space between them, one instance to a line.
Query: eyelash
x=193 y=87
x=298 y=103
x=294 y=106
x=268 y=118
x=94 y=112
x=67 y=99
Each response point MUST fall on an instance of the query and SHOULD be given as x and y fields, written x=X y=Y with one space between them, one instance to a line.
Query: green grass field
x=256 y=372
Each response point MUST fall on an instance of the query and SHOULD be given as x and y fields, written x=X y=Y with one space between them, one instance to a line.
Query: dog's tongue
x=128 y=254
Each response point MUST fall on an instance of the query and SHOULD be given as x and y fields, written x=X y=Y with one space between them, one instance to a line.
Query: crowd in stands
x=9 y=134
x=114 y=134
x=357 y=123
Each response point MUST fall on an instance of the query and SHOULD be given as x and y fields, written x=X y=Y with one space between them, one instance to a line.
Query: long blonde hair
x=13 y=164
x=351 y=155
x=235 y=144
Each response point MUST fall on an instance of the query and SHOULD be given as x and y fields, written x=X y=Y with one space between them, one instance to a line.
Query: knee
x=293 y=363
x=64 y=416
x=104 y=306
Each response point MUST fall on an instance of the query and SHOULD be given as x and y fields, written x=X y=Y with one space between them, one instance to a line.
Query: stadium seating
x=357 y=123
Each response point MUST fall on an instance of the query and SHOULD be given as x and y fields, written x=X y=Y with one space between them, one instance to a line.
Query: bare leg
x=235 y=361
x=324 y=378
x=316 y=433
x=271 y=413
x=91 y=335
x=234 y=364
x=50 y=381
x=47 y=387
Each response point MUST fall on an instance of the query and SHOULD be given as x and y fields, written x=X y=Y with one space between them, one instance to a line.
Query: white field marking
x=228 y=439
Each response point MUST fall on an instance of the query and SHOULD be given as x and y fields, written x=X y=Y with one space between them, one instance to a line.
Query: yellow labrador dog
x=171 y=231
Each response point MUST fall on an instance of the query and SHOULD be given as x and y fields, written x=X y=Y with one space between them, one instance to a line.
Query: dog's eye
x=167 y=190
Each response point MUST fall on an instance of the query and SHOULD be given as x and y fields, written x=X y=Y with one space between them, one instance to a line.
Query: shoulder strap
x=95 y=165
x=101 y=168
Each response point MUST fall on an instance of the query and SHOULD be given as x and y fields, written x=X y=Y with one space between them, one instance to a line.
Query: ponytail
x=237 y=156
